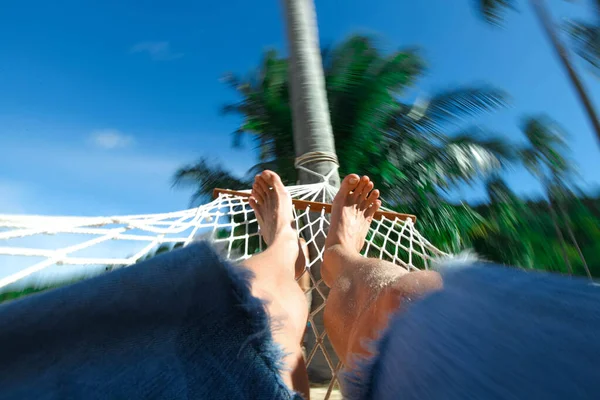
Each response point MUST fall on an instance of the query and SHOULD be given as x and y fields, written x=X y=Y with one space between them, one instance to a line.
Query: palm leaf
x=548 y=148
x=493 y=11
x=450 y=227
x=450 y=108
x=205 y=177
x=585 y=38
x=462 y=158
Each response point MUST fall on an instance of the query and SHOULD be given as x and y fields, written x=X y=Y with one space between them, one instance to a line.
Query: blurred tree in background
x=585 y=41
x=409 y=150
x=417 y=152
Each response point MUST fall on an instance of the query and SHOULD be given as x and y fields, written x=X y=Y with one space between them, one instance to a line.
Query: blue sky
x=101 y=102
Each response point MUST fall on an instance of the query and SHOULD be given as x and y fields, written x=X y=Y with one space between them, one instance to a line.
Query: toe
x=348 y=184
x=362 y=185
x=273 y=180
x=255 y=205
x=262 y=183
x=370 y=200
x=370 y=212
x=263 y=186
x=366 y=191
x=374 y=195
x=346 y=187
x=252 y=202
x=258 y=192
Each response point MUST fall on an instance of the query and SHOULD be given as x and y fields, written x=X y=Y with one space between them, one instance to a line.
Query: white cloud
x=110 y=139
x=158 y=51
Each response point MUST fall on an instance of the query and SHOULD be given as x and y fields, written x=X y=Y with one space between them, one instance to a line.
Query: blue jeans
x=182 y=325
x=491 y=333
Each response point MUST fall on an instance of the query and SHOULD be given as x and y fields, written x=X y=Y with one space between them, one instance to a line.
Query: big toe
x=273 y=180
x=349 y=183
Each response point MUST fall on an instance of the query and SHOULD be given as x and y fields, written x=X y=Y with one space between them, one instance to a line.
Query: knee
x=413 y=286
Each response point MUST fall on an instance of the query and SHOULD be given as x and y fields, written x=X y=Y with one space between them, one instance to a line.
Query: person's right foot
x=352 y=211
x=365 y=292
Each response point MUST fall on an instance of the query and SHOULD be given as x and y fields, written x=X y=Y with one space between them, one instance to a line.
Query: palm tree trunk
x=567 y=220
x=310 y=112
x=561 y=238
x=313 y=138
x=544 y=17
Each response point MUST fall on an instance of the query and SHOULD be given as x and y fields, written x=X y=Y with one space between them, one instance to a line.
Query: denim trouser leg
x=182 y=325
x=491 y=333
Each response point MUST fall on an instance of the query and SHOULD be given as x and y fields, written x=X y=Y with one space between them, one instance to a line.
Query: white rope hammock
x=32 y=245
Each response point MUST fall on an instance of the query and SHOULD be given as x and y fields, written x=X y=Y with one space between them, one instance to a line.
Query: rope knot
x=314 y=156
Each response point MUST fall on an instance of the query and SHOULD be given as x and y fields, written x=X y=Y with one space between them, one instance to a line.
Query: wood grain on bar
x=317 y=206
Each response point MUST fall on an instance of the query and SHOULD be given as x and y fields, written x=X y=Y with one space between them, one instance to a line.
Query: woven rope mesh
x=40 y=250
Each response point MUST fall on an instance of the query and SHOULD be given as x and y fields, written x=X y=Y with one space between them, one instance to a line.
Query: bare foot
x=274 y=271
x=364 y=291
x=353 y=209
x=272 y=205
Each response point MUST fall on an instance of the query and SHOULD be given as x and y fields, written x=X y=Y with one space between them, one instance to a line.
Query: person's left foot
x=273 y=270
x=272 y=205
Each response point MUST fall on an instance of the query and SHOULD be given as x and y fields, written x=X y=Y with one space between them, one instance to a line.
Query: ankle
x=335 y=258
x=287 y=249
x=287 y=239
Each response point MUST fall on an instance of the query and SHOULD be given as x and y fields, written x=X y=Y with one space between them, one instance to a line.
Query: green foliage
x=452 y=228
x=546 y=234
x=493 y=11
x=13 y=295
x=205 y=177
x=418 y=151
x=16 y=294
x=546 y=155
x=529 y=240
x=585 y=39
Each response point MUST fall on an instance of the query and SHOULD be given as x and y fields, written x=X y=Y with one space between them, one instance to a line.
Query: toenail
x=353 y=180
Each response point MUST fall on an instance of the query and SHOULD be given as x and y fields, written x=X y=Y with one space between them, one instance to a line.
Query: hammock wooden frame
x=318 y=206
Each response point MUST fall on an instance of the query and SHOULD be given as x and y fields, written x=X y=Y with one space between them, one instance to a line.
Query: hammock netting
x=45 y=250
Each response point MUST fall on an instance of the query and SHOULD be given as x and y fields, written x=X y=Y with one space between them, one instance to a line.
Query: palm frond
x=548 y=148
x=531 y=161
x=493 y=11
x=451 y=227
x=401 y=69
x=452 y=107
x=543 y=132
x=498 y=190
x=585 y=39
x=414 y=157
x=205 y=177
x=464 y=157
